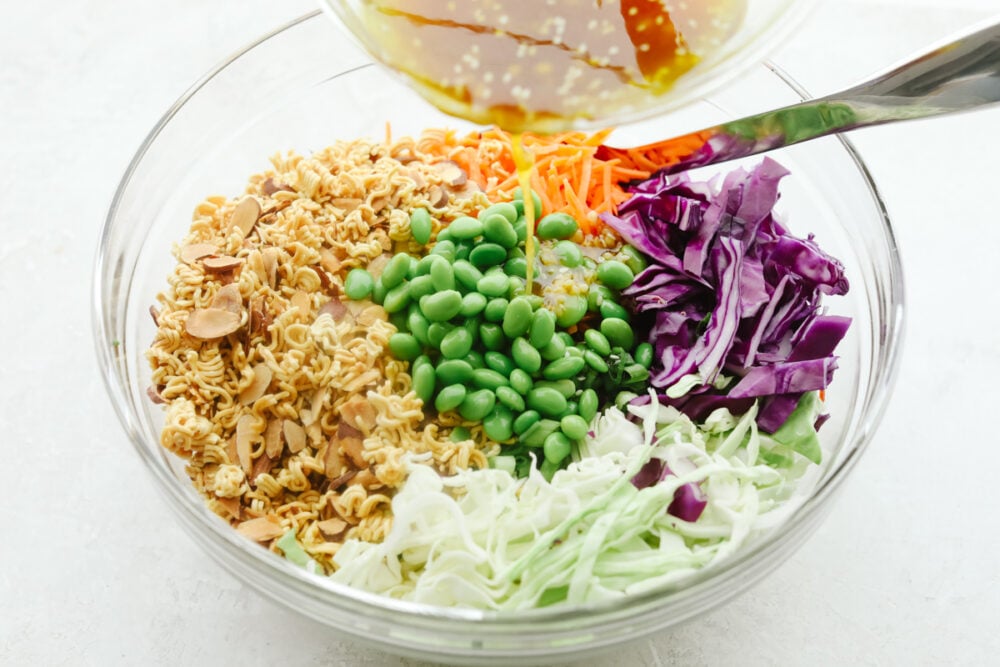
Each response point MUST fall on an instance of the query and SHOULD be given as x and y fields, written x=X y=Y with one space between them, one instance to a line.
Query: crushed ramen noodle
x=278 y=392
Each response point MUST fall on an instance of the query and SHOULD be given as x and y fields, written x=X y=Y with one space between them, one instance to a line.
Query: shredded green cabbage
x=484 y=539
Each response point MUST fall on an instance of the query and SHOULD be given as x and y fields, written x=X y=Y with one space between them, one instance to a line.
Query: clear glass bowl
x=764 y=24
x=302 y=88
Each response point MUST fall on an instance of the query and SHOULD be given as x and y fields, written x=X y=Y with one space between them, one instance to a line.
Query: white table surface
x=93 y=569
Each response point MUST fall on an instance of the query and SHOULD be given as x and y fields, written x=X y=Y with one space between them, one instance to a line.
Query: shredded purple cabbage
x=730 y=291
x=689 y=500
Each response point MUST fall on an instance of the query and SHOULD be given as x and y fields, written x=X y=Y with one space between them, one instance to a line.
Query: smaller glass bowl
x=302 y=88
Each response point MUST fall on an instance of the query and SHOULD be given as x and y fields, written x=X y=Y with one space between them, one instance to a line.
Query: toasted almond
x=231 y=505
x=222 y=264
x=155 y=314
x=416 y=177
x=366 y=378
x=260 y=466
x=466 y=191
x=345 y=430
x=348 y=204
x=273 y=443
x=358 y=413
x=335 y=308
x=154 y=395
x=302 y=301
x=209 y=323
x=371 y=314
x=260 y=317
x=333 y=461
x=269 y=256
x=195 y=251
x=376 y=266
x=295 y=436
x=354 y=448
x=451 y=173
x=262 y=376
x=333 y=528
x=261 y=529
x=228 y=298
x=231 y=449
x=328 y=260
x=244 y=441
x=437 y=196
x=366 y=478
x=269 y=187
x=405 y=155
x=245 y=215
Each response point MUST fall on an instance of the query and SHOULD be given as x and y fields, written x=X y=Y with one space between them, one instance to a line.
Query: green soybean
x=418 y=326
x=597 y=341
x=556 y=226
x=472 y=304
x=477 y=405
x=423 y=382
x=466 y=274
x=491 y=335
x=562 y=369
x=442 y=306
x=499 y=362
x=395 y=271
x=421 y=286
x=515 y=287
x=519 y=202
x=612 y=309
x=497 y=229
x=454 y=371
x=462 y=251
x=618 y=332
x=442 y=275
x=436 y=332
x=510 y=398
x=444 y=235
x=588 y=405
x=557 y=447
x=475 y=360
x=358 y=284
x=404 y=346
x=546 y=401
x=487 y=378
x=499 y=424
x=548 y=469
x=556 y=349
x=565 y=387
x=571 y=310
x=526 y=420
x=398 y=320
x=450 y=397
x=397 y=298
x=644 y=355
x=378 y=292
x=525 y=356
x=465 y=228
x=615 y=274
x=535 y=435
x=596 y=295
x=445 y=248
x=495 y=309
x=517 y=320
x=520 y=381
x=420 y=225
x=460 y=434
x=521 y=229
x=595 y=361
x=411 y=272
x=493 y=285
x=505 y=209
x=568 y=253
x=634 y=259
x=543 y=327
x=456 y=343
x=487 y=254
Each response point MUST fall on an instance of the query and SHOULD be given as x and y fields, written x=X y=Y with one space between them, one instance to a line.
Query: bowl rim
x=355 y=600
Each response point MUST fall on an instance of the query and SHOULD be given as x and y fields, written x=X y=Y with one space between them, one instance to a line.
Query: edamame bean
x=556 y=226
x=358 y=284
x=475 y=360
x=418 y=325
x=534 y=435
x=546 y=401
x=635 y=260
x=562 y=369
x=497 y=229
x=465 y=228
x=397 y=298
x=411 y=272
x=499 y=424
x=487 y=378
x=521 y=229
x=615 y=274
x=566 y=388
x=398 y=320
x=442 y=275
x=495 y=309
x=505 y=209
x=510 y=398
x=526 y=420
x=588 y=405
x=571 y=310
x=568 y=253
x=556 y=349
x=462 y=251
x=460 y=434
x=618 y=332
x=454 y=371
x=477 y=405
x=517 y=320
x=525 y=356
x=644 y=355
x=421 y=286
x=466 y=274
x=444 y=235
x=404 y=346
x=595 y=361
x=494 y=285
x=548 y=470
x=487 y=254
x=597 y=341
x=420 y=225
x=442 y=306
x=557 y=447
x=611 y=309
x=543 y=327
x=378 y=292
x=491 y=335
x=520 y=381
x=516 y=266
x=395 y=271
x=515 y=287
x=450 y=397
x=423 y=382
x=456 y=343
x=445 y=248
x=472 y=304
x=596 y=295
x=519 y=202
x=499 y=362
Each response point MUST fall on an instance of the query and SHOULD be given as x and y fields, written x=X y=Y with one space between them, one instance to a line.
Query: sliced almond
x=155 y=314
x=261 y=529
x=295 y=436
x=405 y=155
x=195 y=251
x=358 y=413
x=245 y=215
x=273 y=444
x=367 y=479
x=154 y=395
x=260 y=466
x=451 y=173
x=437 y=196
x=269 y=187
x=231 y=505
x=262 y=377
x=269 y=256
x=244 y=442
x=328 y=260
x=260 y=317
x=231 y=449
x=354 y=448
x=333 y=528
x=337 y=482
x=228 y=298
x=333 y=461
x=416 y=177
x=209 y=323
x=335 y=308
x=467 y=190
x=222 y=264
x=371 y=314
x=376 y=266
x=302 y=301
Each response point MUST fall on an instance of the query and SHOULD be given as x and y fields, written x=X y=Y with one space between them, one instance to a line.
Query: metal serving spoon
x=960 y=75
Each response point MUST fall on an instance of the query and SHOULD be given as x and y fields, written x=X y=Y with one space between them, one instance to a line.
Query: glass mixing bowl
x=302 y=88
x=452 y=52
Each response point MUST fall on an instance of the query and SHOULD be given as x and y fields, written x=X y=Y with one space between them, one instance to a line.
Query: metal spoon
x=959 y=75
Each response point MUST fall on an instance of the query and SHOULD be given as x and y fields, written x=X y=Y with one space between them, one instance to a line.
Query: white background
x=93 y=569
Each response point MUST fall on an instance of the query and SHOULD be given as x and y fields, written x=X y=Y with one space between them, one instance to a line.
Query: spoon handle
x=960 y=75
